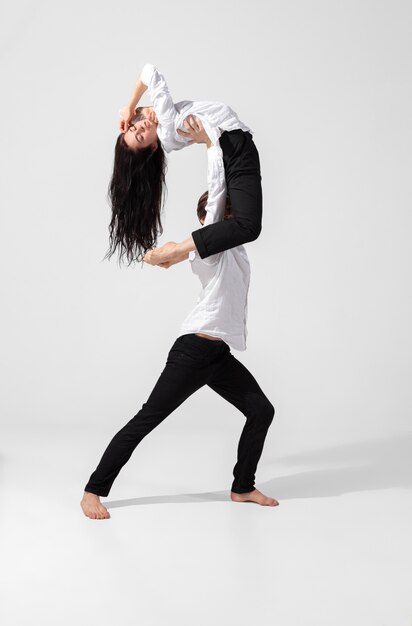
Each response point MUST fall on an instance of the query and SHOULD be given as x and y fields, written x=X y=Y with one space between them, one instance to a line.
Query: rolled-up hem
x=243 y=490
x=96 y=492
x=200 y=246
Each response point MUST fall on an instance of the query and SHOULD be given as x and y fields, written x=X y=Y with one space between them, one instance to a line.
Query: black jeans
x=192 y=362
x=243 y=182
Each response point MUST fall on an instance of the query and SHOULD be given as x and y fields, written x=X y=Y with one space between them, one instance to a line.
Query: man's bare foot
x=253 y=496
x=92 y=507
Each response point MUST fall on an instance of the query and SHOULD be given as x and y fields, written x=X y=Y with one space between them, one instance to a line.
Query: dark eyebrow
x=137 y=141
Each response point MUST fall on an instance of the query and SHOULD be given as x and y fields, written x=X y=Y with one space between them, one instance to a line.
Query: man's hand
x=195 y=131
x=165 y=256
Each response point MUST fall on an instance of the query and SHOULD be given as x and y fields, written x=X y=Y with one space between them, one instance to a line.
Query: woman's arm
x=127 y=113
x=159 y=94
x=154 y=82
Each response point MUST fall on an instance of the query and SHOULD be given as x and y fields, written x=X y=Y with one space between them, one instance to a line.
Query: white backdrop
x=327 y=90
x=326 y=87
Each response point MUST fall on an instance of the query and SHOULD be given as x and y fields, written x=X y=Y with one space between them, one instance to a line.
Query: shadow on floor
x=361 y=466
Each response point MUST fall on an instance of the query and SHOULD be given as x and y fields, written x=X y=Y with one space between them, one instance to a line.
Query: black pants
x=192 y=362
x=243 y=181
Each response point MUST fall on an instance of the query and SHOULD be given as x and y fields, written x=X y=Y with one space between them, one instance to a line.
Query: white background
x=326 y=88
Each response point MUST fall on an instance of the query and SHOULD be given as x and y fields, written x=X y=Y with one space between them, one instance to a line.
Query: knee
x=256 y=230
x=251 y=230
x=265 y=410
x=269 y=412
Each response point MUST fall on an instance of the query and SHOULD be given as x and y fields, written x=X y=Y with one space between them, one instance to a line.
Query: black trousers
x=243 y=181
x=192 y=362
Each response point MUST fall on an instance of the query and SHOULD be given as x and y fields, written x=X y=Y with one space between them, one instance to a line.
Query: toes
x=103 y=513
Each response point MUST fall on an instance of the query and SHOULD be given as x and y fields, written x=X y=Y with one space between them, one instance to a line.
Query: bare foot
x=253 y=496
x=92 y=507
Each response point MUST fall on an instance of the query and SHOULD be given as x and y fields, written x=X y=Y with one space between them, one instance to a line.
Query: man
x=201 y=356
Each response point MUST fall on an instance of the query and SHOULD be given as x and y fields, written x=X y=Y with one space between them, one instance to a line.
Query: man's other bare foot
x=92 y=507
x=253 y=496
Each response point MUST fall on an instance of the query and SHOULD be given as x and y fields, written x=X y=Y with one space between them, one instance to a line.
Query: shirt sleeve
x=159 y=94
x=217 y=191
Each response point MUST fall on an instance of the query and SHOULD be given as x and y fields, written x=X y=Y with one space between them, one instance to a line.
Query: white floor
x=177 y=551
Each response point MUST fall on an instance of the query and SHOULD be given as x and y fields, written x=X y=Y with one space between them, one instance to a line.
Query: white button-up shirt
x=170 y=115
x=221 y=309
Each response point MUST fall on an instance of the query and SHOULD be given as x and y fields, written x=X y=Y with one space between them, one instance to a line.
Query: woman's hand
x=195 y=131
x=152 y=116
x=126 y=115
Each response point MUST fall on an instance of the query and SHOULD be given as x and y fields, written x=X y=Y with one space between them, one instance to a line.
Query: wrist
x=138 y=92
x=186 y=246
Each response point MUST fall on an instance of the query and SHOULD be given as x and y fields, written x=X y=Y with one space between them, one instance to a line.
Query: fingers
x=150 y=258
x=124 y=125
x=197 y=124
x=147 y=257
x=183 y=133
x=194 y=127
x=187 y=122
x=194 y=123
x=191 y=122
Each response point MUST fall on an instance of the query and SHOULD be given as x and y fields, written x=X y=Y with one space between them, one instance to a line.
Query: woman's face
x=142 y=132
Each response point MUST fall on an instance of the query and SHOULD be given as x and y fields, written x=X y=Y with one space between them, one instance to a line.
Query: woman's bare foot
x=92 y=507
x=253 y=496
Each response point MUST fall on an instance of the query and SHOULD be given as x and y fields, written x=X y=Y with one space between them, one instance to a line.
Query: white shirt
x=214 y=115
x=221 y=309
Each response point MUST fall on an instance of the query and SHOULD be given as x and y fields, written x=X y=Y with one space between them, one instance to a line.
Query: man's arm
x=217 y=194
x=172 y=252
x=217 y=191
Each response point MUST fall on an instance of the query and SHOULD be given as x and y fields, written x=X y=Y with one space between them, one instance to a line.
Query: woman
x=138 y=181
x=201 y=356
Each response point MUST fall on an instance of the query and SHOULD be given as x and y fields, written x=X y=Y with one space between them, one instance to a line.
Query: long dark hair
x=136 y=192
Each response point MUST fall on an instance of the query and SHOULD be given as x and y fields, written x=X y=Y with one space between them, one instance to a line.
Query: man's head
x=142 y=132
x=201 y=207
